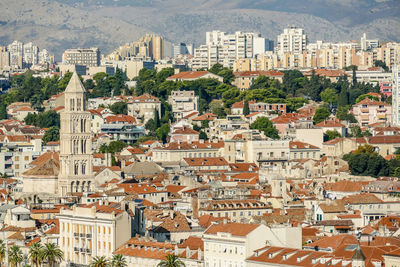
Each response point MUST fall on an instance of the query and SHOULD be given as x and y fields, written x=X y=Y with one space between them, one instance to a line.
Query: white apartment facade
x=92 y=231
x=396 y=95
x=292 y=39
x=89 y=57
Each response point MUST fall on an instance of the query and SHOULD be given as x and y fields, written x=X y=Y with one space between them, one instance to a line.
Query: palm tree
x=99 y=262
x=2 y=251
x=118 y=261
x=15 y=256
x=35 y=254
x=171 y=260
x=52 y=254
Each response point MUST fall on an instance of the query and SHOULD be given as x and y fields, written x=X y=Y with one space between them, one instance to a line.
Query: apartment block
x=89 y=57
x=94 y=230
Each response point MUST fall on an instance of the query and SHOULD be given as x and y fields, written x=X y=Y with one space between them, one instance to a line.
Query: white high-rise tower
x=76 y=172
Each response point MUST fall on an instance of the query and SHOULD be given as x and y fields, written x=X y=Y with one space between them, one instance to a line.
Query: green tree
x=15 y=256
x=203 y=135
x=295 y=103
x=51 y=135
x=118 y=261
x=343 y=114
x=119 y=108
x=162 y=132
x=364 y=96
x=292 y=81
x=35 y=254
x=151 y=126
x=63 y=82
x=205 y=124
x=227 y=74
x=330 y=135
x=113 y=147
x=380 y=63
x=265 y=125
x=44 y=119
x=100 y=76
x=368 y=164
x=216 y=68
x=2 y=251
x=321 y=114
x=52 y=254
x=329 y=96
x=171 y=261
x=3 y=111
x=99 y=262
x=156 y=118
x=230 y=96
x=246 y=108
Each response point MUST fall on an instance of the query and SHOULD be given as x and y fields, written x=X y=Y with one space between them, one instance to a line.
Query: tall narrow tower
x=76 y=172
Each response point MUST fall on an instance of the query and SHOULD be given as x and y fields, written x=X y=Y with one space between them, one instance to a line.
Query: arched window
x=72 y=104
x=83 y=168
x=76 y=169
x=82 y=126
x=82 y=146
x=78 y=104
x=75 y=146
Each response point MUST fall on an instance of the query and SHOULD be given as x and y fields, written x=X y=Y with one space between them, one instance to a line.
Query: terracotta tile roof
x=111 y=207
x=33 y=241
x=24 y=109
x=334 y=141
x=135 y=150
x=235 y=229
x=146 y=253
x=174 y=188
x=185 y=130
x=206 y=116
x=326 y=73
x=386 y=139
x=17 y=138
x=49 y=168
x=301 y=145
x=243 y=167
x=45 y=157
x=59 y=108
x=193 y=243
x=240 y=104
x=334 y=242
x=172 y=222
x=145 y=98
x=121 y=118
x=330 y=123
x=16 y=236
x=138 y=188
x=345 y=186
x=206 y=220
x=45 y=211
x=217 y=161
x=369 y=102
x=99 y=156
x=94 y=111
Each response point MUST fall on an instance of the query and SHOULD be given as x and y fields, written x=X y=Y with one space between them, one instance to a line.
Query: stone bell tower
x=76 y=159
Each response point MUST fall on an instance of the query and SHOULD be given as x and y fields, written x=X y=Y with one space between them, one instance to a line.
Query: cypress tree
x=246 y=108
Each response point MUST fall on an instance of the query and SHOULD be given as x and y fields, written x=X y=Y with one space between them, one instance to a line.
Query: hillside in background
x=57 y=25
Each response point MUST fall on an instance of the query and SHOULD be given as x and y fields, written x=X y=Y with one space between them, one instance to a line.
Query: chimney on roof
x=171 y=214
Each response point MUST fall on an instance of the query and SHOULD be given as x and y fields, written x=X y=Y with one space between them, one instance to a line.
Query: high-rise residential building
x=45 y=57
x=89 y=57
x=16 y=50
x=292 y=40
x=31 y=54
x=225 y=48
x=76 y=172
x=368 y=44
x=182 y=49
x=396 y=95
x=4 y=57
x=148 y=47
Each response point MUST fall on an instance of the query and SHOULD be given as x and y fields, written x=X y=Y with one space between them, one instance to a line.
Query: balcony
x=76 y=235
x=88 y=251
x=82 y=235
x=365 y=110
x=76 y=249
x=88 y=235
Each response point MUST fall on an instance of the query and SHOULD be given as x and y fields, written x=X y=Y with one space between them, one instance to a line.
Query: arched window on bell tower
x=76 y=168
x=78 y=104
x=72 y=104
x=83 y=168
